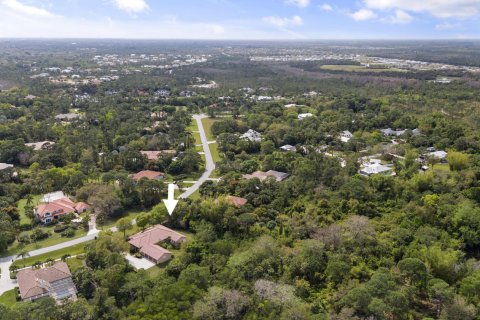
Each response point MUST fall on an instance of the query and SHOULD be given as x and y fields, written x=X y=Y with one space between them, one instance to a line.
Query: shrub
x=60 y=228
x=68 y=233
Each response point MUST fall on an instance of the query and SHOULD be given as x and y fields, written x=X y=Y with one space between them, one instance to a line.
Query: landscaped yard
x=8 y=298
x=54 y=255
x=24 y=219
x=54 y=239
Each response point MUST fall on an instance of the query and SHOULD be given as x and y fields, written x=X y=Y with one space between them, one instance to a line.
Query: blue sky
x=241 y=19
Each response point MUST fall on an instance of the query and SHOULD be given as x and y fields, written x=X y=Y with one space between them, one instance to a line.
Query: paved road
x=209 y=164
x=7 y=284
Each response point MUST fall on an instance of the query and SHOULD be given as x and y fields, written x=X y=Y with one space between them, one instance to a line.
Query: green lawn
x=195 y=195
x=8 y=298
x=54 y=239
x=73 y=250
x=75 y=263
x=441 y=167
x=207 y=125
x=111 y=222
x=194 y=129
x=24 y=219
x=215 y=153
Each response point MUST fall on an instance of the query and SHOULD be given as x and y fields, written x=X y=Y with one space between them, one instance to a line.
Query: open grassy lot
x=355 y=68
x=215 y=153
x=73 y=250
x=8 y=298
x=207 y=125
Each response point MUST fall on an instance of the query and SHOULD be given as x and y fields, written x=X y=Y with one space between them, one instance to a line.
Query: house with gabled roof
x=54 y=281
x=262 y=176
x=148 y=174
x=155 y=155
x=252 y=136
x=147 y=243
x=51 y=210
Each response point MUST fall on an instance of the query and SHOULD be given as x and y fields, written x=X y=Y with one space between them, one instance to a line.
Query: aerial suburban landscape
x=196 y=174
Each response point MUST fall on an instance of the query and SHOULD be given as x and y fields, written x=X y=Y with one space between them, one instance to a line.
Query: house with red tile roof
x=49 y=211
x=155 y=155
x=149 y=174
x=236 y=201
x=55 y=282
x=147 y=243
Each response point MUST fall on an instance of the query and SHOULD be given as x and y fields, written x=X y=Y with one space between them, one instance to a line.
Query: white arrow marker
x=171 y=203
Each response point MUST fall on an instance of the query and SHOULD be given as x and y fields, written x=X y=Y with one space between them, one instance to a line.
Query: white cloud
x=131 y=6
x=283 y=22
x=400 y=17
x=29 y=10
x=326 y=7
x=438 y=8
x=217 y=29
x=298 y=3
x=363 y=15
x=447 y=26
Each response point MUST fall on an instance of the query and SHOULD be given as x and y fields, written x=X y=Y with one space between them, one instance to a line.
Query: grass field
x=194 y=129
x=215 y=153
x=54 y=239
x=73 y=250
x=207 y=125
x=355 y=68
x=24 y=219
x=8 y=298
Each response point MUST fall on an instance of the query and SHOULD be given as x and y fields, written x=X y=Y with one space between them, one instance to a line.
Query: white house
x=288 y=147
x=345 y=136
x=252 y=136
x=302 y=116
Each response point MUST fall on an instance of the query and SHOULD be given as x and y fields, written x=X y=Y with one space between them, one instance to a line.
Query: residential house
x=53 y=196
x=7 y=172
x=147 y=243
x=345 y=136
x=188 y=94
x=398 y=133
x=302 y=116
x=236 y=201
x=148 y=174
x=43 y=145
x=375 y=167
x=68 y=117
x=440 y=155
x=51 y=210
x=55 y=282
x=262 y=176
x=159 y=115
x=252 y=136
x=288 y=147
x=155 y=155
